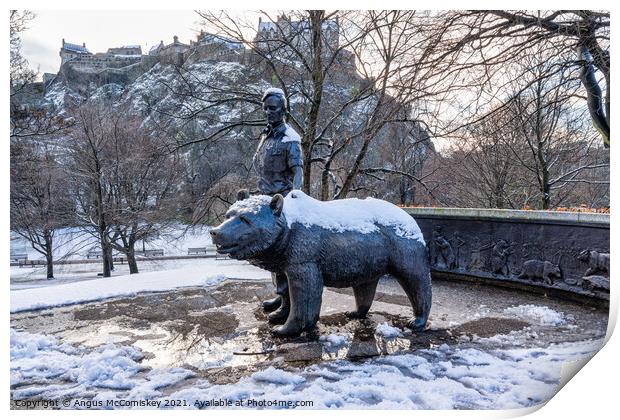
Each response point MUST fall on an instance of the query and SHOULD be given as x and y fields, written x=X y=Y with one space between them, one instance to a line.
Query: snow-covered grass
x=441 y=378
x=540 y=315
x=205 y=273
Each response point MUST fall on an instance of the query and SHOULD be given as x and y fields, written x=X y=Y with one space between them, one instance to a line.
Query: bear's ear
x=242 y=194
x=277 y=202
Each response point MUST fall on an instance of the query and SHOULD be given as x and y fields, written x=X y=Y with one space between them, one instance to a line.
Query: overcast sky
x=101 y=30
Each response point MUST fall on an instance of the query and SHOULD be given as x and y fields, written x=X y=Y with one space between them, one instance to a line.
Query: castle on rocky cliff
x=207 y=47
x=80 y=57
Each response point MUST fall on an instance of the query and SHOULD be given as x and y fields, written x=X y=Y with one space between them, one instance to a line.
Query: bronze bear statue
x=341 y=243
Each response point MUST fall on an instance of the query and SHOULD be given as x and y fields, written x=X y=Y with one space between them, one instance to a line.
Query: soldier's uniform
x=278 y=152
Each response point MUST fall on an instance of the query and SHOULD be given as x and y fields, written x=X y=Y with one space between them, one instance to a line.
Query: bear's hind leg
x=364 y=295
x=305 y=289
x=418 y=290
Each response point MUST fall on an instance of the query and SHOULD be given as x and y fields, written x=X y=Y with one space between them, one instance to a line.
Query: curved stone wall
x=560 y=253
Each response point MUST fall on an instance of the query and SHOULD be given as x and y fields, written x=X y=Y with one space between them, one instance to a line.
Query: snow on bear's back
x=351 y=214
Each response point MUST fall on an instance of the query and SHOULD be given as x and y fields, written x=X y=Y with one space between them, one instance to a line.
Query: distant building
x=131 y=50
x=296 y=32
x=211 y=47
x=80 y=57
x=286 y=39
x=155 y=48
x=206 y=38
x=70 y=52
x=172 y=53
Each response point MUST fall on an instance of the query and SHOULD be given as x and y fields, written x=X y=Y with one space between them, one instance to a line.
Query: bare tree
x=143 y=183
x=552 y=132
x=480 y=169
x=40 y=202
x=532 y=150
x=300 y=53
x=402 y=168
x=28 y=118
x=87 y=163
x=39 y=196
x=342 y=72
x=20 y=73
x=488 y=42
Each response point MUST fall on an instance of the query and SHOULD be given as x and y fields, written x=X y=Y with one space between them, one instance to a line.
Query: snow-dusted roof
x=130 y=46
x=75 y=48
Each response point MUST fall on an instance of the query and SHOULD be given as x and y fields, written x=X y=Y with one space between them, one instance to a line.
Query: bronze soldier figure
x=278 y=164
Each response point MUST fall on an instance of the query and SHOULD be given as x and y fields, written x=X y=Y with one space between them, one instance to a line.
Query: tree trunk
x=348 y=182
x=307 y=165
x=107 y=269
x=131 y=261
x=316 y=21
x=546 y=191
x=110 y=258
x=49 y=259
x=325 y=184
x=595 y=96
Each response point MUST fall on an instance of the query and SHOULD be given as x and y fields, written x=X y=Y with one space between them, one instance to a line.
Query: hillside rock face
x=79 y=79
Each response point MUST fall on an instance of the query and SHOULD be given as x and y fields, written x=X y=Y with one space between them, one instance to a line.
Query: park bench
x=31 y=263
x=94 y=255
x=151 y=253
x=197 y=251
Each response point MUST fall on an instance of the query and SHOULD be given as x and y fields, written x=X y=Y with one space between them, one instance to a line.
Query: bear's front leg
x=305 y=284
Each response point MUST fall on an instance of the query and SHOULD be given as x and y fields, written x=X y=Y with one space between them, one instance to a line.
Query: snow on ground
x=203 y=272
x=277 y=376
x=39 y=359
x=27 y=277
x=442 y=378
x=334 y=341
x=540 y=315
x=388 y=331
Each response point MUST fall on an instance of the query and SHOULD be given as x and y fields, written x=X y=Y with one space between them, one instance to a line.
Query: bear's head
x=253 y=225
